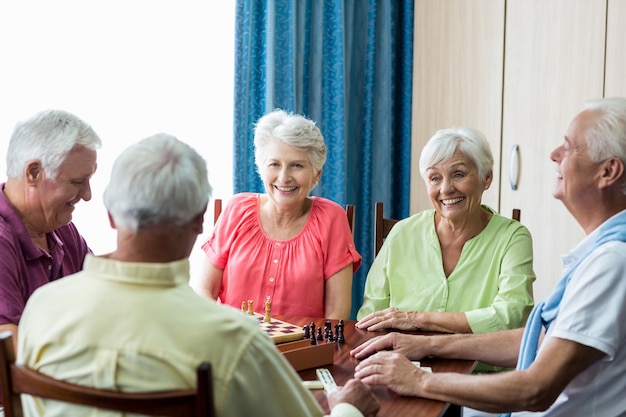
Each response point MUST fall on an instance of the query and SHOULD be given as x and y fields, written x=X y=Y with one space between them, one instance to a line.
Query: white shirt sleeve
x=345 y=410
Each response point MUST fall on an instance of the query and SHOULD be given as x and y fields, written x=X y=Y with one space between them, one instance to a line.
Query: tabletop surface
x=392 y=404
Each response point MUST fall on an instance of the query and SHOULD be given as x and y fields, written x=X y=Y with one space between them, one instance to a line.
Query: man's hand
x=358 y=394
x=412 y=346
x=393 y=370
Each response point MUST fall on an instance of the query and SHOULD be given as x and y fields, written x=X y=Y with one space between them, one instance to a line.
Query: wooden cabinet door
x=554 y=62
x=457 y=79
x=615 y=74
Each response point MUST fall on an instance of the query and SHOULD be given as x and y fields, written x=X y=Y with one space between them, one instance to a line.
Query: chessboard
x=279 y=331
x=290 y=338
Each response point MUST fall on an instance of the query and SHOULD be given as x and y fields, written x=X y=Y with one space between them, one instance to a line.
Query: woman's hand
x=389 y=318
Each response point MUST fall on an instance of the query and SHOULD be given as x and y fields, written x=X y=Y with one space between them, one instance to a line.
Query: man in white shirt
x=572 y=353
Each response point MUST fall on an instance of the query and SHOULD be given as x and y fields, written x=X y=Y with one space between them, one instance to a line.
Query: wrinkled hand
x=358 y=394
x=393 y=370
x=389 y=318
x=414 y=347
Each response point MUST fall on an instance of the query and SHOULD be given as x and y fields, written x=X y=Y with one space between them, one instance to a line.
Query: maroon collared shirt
x=24 y=266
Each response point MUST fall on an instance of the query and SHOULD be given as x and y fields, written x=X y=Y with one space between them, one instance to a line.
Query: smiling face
x=287 y=174
x=576 y=173
x=454 y=187
x=53 y=201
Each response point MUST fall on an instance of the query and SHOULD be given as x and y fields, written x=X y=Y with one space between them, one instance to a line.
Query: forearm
x=209 y=282
x=338 y=295
x=534 y=389
x=386 y=362
x=204 y=292
x=203 y=286
x=501 y=392
x=440 y=322
x=394 y=318
x=339 y=312
x=497 y=348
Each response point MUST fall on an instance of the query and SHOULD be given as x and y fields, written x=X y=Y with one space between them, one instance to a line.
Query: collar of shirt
x=139 y=273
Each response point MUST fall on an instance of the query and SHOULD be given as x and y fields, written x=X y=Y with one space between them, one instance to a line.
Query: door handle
x=514 y=167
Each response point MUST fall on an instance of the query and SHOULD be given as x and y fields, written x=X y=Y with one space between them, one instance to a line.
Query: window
x=130 y=69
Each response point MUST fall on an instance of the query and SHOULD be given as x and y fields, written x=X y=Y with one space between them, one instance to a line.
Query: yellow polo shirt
x=140 y=327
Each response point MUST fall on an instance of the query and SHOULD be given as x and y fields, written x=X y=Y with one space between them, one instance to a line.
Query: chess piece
x=312 y=334
x=340 y=337
x=319 y=334
x=328 y=332
x=268 y=306
x=250 y=309
x=305 y=330
x=244 y=307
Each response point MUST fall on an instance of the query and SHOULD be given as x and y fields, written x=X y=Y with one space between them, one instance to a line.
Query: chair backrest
x=17 y=379
x=217 y=209
x=350 y=209
x=383 y=225
x=350 y=213
x=517 y=214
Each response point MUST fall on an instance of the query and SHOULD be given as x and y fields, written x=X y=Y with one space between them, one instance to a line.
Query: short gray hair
x=471 y=142
x=607 y=138
x=48 y=137
x=157 y=181
x=292 y=129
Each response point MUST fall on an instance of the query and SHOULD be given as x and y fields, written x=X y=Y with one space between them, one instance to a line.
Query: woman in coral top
x=284 y=245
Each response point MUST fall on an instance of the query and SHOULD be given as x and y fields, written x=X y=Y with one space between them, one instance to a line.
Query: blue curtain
x=347 y=65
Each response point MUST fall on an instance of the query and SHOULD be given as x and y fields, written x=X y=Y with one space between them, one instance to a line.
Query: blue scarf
x=546 y=311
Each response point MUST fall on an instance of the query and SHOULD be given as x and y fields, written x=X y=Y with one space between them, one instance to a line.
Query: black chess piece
x=319 y=334
x=328 y=332
x=312 y=334
x=305 y=329
x=340 y=337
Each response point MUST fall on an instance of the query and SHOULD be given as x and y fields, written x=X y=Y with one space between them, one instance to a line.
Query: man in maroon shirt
x=50 y=160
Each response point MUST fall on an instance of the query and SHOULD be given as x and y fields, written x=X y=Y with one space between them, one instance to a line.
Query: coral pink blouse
x=292 y=273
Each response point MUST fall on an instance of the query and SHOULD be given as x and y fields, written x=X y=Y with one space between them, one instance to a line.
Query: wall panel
x=551 y=68
x=457 y=78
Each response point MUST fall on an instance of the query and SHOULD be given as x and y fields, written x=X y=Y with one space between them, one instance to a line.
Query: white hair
x=607 y=138
x=292 y=129
x=159 y=180
x=48 y=137
x=444 y=143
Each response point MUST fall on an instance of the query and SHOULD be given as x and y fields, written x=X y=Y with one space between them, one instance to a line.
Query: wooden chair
x=350 y=209
x=383 y=225
x=217 y=209
x=517 y=214
x=350 y=212
x=18 y=379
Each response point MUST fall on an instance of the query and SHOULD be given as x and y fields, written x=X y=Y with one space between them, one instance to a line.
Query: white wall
x=130 y=68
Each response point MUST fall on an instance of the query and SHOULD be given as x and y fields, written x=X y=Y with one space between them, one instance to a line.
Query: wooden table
x=392 y=404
